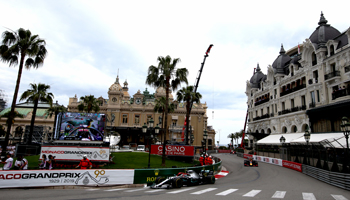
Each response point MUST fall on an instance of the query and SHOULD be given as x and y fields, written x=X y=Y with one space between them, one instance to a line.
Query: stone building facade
x=127 y=114
x=307 y=86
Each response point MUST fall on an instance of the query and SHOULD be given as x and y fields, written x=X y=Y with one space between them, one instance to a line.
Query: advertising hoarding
x=173 y=150
x=33 y=178
x=80 y=126
x=75 y=153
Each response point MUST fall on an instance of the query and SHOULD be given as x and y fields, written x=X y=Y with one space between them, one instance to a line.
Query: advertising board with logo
x=292 y=165
x=76 y=153
x=35 y=178
x=173 y=150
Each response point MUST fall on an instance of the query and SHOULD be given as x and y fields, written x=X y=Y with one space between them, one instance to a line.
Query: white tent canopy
x=275 y=138
x=336 y=140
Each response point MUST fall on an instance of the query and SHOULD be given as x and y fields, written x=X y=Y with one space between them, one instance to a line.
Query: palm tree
x=159 y=107
x=232 y=136
x=27 y=49
x=187 y=95
x=55 y=110
x=166 y=75
x=35 y=94
x=90 y=103
x=7 y=114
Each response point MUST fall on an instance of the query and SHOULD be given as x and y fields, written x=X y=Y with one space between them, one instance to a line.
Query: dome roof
x=257 y=78
x=323 y=33
x=280 y=62
x=116 y=86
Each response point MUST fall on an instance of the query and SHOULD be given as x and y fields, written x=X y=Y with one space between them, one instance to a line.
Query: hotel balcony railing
x=341 y=93
x=261 y=101
x=331 y=75
x=261 y=117
x=299 y=87
x=294 y=109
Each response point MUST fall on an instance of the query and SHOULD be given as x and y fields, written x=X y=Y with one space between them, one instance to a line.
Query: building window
x=256 y=113
x=174 y=122
x=137 y=119
x=283 y=106
x=268 y=110
x=276 y=108
x=262 y=112
x=312 y=97
x=318 y=96
x=314 y=59
x=315 y=75
x=332 y=50
x=292 y=103
x=125 y=118
x=303 y=102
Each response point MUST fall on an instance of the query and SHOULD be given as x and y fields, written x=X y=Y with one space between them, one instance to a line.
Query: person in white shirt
x=21 y=163
x=8 y=162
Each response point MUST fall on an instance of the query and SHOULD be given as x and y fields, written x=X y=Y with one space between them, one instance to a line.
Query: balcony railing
x=288 y=91
x=261 y=101
x=331 y=75
x=341 y=93
x=261 y=117
x=312 y=105
x=294 y=109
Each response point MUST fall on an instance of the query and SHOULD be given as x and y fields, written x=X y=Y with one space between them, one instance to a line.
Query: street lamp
x=156 y=131
x=192 y=138
x=205 y=137
x=307 y=139
x=345 y=127
x=282 y=140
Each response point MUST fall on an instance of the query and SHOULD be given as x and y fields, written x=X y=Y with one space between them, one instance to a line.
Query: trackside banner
x=173 y=150
x=37 y=178
x=75 y=153
x=273 y=161
x=292 y=165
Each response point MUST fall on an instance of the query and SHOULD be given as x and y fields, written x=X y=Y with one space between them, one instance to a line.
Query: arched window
x=269 y=131
x=284 y=129
x=262 y=131
x=294 y=129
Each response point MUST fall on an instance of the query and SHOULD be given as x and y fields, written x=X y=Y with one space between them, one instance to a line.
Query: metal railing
x=331 y=75
x=333 y=178
x=288 y=91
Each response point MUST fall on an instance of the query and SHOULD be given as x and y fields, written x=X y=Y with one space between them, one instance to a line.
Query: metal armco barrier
x=150 y=175
x=341 y=180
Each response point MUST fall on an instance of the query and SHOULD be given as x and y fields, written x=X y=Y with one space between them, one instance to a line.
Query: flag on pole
x=183 y=131
x=298 y=48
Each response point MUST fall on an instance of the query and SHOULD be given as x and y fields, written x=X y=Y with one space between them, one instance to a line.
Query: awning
x=326 y=139
x=275 y=138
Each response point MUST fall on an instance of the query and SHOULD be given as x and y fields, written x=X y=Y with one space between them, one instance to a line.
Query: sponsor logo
x=39 y=175
x=156 y=172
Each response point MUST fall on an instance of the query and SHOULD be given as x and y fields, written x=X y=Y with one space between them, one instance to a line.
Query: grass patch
x=125 y=160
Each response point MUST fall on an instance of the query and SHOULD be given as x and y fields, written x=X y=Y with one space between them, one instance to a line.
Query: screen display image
x=81 y=126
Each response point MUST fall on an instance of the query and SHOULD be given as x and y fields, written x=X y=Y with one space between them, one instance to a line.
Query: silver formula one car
x=187 y=178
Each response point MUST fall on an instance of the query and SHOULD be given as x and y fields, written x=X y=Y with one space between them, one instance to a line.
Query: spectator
x=84 y=163
x=21 y=163
x=50 y=162
x=201 y=159
x=43 y=163
x=8 y=162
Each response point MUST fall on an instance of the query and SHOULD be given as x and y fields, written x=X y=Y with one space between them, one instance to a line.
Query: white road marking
x=308 y=196
x=226 y=192
x=92 y=189
x=136 y=190
x=182 y=190
x=338 y=197
x=115 y=189
x=279 y=194
x=155 y=190
x=204 y=191
x=252 y=193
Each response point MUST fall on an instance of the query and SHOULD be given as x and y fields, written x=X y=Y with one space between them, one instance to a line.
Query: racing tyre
x=159 y=179
x=210 y=179
x=177 y=183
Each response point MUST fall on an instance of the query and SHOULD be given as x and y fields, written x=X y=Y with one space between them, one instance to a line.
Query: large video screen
x=80 y=126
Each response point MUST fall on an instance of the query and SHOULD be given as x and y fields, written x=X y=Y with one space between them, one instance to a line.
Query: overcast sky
x=89 y=41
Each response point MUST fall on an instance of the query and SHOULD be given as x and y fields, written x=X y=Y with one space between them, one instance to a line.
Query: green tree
x=88 y=104
x=6 y=114
x=187 y=95
x=55 y=110
x=166 y=75
x=26 y=49
x=232 y=136
x=35 y=94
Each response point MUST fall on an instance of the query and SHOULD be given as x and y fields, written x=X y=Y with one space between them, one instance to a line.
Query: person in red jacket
x=201 y=159
x=210 y=160
x=84 y=163
x=206 y=160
